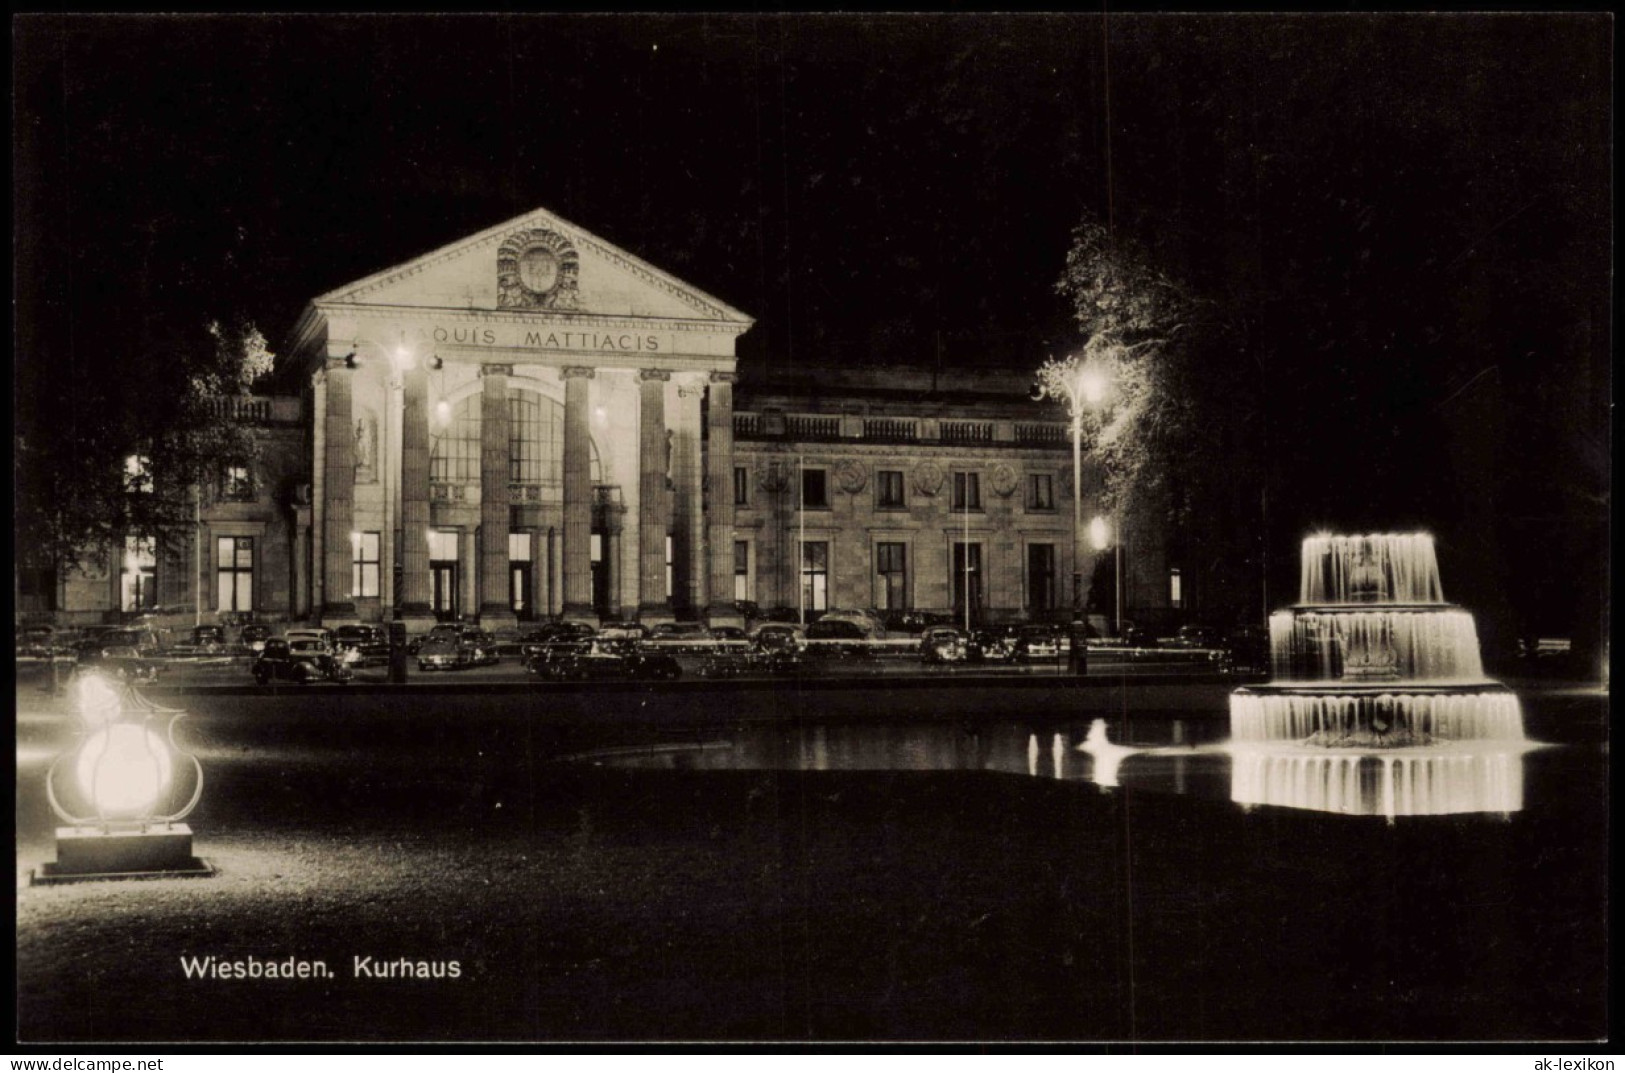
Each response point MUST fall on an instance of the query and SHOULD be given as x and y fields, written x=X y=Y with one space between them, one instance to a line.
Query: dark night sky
x=1413 y=210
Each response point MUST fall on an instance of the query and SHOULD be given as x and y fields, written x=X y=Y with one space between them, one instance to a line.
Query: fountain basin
x=1376 y=716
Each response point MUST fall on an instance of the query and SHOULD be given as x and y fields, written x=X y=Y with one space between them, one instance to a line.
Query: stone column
x=688 y=515
x=338 y=551
x=577 y=532
x=654 y=510
x=414 y=493
x=495 y=610
x=719 y=478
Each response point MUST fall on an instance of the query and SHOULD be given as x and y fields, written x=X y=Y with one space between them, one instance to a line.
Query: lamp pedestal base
x=157 y=850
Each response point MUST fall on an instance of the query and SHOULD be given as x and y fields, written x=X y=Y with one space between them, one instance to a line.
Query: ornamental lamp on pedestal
x=122 y=790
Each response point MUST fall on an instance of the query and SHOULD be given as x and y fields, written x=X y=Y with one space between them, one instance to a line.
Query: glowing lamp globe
x=124 y=769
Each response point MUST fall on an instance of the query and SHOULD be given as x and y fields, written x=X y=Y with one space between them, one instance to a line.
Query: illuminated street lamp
x=1082 y=384
x=117 y=789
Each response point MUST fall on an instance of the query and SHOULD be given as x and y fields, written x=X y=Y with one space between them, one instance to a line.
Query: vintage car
x=944 y=644
x=997 y=646
x=300 y=660
x=778 y=637
x=362 y=645
x=1039 y=642
x=681 y=635
x=43 y=642
x=869 y=622
x=122 y=653
x=253 y=638
x=615 y=660
x=544 y=638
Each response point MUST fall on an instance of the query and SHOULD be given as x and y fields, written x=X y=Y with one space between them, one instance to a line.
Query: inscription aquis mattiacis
x=550 y=339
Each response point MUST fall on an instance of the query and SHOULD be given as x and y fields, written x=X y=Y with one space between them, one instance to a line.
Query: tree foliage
x=80 y=425
x=1178 y=432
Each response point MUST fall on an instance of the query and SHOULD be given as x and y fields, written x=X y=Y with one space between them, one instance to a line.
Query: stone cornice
x=331 y=309
x=654 y=374
x=719 y=377
x=572 y=372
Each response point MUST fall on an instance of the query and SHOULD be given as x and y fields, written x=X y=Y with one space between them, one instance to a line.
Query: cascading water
x=1372 y=656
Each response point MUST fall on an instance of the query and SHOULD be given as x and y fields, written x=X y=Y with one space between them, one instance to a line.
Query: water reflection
x=1162 y=756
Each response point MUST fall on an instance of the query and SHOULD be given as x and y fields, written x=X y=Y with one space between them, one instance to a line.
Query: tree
x=1178 y=435
x=110 y=448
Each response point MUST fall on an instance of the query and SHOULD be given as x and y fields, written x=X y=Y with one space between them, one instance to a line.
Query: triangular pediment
x=538 y=263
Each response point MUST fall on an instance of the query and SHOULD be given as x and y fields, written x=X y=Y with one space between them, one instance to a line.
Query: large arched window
x=535 y=443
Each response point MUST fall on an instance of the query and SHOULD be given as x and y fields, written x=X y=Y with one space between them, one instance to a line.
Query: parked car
x=121 y=653
x=301 y=660
x=997 y=646
x=620 y=630
x=253 y=638
x=612 y=660
x=730 y=634
x=362 y=645
x=42 y=642
x=944 y=644
x=1041 y=642
x=867 y=621
x=778 y=637
x=310 y=633
x=550 y=660
x=681 y=633
x=1193 y=635
x=534 y=642
x=209 y=640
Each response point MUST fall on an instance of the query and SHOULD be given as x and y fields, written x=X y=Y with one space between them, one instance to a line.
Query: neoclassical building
x=514 y=423
x=533 y=423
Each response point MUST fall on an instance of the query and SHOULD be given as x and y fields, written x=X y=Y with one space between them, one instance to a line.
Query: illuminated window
x=236 y=483
x=137 y=474
x=741 y=570
x=456 y=455
x=889 y=490
x=891 y=572
x=1176 y=589
x=815 y=575
x=814 y=490
x=519 y=573
x=967 y=491
x=364 y=565
x=234 y=574
x=1040 y=491
x=139 y=575
x=741 y=486
x=535 y=439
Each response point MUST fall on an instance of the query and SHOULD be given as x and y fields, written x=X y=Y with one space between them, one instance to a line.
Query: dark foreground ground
x=590 y=903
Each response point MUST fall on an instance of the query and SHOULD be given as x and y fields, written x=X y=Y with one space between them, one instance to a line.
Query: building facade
x=532 y=423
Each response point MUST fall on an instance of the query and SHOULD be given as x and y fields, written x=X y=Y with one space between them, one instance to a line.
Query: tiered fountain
x=1378 y=701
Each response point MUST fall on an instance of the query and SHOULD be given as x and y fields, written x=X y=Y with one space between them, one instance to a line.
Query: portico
x=517 y=426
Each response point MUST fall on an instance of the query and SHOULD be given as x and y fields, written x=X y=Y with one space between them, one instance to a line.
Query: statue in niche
x=366 y=448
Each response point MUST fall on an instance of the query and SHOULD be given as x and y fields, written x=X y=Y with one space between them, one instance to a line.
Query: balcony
x=830 y=428
x=967 y=432
x=1041 y=435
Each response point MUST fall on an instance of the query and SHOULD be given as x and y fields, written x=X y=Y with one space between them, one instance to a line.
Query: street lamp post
x=1081 y=385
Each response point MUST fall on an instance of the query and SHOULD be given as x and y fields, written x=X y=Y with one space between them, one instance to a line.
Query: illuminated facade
x=531 y=423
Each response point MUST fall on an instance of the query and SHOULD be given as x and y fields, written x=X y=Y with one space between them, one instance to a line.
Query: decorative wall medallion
x=852 y=475
x=927 y=478
x=1004 y=480
x=773 y=477
x=538 y=269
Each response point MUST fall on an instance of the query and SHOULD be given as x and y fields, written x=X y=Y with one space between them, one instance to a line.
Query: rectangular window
x=741 y=570
x=891 y=571
x=1176 y=589
x=1040 y=577
x=236 y=483
x=364 y=564
x=519 y=574
x=967 y=491
x=1040 y=491
x=139 y=576
x=814 y=490
x=668 y=567
x=741 y=486
x=889 y=490
x=967 y=563
x=234 y=574
x=815 y=575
